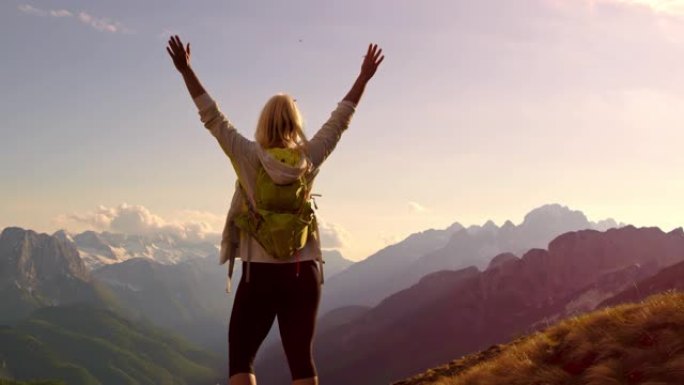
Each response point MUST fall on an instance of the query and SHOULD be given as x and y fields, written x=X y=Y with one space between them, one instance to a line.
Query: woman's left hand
x=179 y=55
x=371 y=61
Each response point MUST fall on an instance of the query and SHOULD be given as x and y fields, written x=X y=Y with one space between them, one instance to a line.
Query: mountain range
x=463 y=285
x=402 y=265
x=106 y=248
x=460 y=311
x=58 y=321
x=184 y=294
x=635 y=343
x=100 y=249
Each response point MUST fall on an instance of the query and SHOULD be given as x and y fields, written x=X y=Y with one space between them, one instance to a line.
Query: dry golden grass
x=629 y=344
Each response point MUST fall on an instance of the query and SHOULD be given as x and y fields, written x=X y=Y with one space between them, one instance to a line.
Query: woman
x=273 y=288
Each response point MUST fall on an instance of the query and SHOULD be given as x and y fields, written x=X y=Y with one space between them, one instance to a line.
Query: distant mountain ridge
x=106 y=248
x=401 y=265
x=335 y=262
x=381 y=267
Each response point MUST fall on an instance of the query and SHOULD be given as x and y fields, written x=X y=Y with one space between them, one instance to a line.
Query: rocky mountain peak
x=63 y=235
x=550 y=214
x=29 y=257
x=454 y=227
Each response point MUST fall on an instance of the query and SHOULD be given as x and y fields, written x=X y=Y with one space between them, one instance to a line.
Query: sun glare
x=667 y=6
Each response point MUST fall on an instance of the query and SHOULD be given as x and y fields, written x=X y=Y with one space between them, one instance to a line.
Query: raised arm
x=237 y=147
x=181 y=59
x=324 y=141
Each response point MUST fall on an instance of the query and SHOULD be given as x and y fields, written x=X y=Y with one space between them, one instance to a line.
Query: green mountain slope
x=628 y=344
x=83 y=345
x=188 y=298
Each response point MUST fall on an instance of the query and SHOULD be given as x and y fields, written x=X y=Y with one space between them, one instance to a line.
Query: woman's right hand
x=371 y=62
x=179 y=55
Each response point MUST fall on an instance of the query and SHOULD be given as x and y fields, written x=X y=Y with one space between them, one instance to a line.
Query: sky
x=481 y=110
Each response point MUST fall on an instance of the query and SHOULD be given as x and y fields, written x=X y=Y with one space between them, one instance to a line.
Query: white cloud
x=137 y=219
x=214 y=220
x=332 y=236
x=192 y=225
x=417 y=208
x=60 y=13
x=28 y=9
x=99 y=23
x=102 y=23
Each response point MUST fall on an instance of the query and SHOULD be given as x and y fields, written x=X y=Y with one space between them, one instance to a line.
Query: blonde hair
x=280 y=124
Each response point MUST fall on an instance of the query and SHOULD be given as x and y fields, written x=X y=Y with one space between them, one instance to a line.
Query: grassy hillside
x=82 y=345
x=187 y=298
x=628 y=344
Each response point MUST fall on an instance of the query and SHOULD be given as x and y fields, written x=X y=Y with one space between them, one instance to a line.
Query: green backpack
x=283 y=217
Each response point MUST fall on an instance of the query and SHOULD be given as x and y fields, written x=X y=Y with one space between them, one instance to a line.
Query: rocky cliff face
x=30 y=259
x=41 y=270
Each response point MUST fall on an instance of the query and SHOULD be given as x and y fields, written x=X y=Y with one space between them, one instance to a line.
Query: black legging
x=274 y=289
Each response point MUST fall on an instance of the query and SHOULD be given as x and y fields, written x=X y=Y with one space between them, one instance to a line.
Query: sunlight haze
x=481 y=110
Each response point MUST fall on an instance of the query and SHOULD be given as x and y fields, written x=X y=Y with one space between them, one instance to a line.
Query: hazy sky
x=482 y=109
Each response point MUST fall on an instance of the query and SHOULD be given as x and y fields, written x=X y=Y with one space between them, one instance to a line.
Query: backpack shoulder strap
x=252 y=210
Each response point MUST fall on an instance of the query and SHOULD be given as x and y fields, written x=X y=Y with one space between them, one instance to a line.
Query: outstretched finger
x=380 y=61
x=173 y=45
x=179 y=43
x=170 y=53
x=188 y=48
